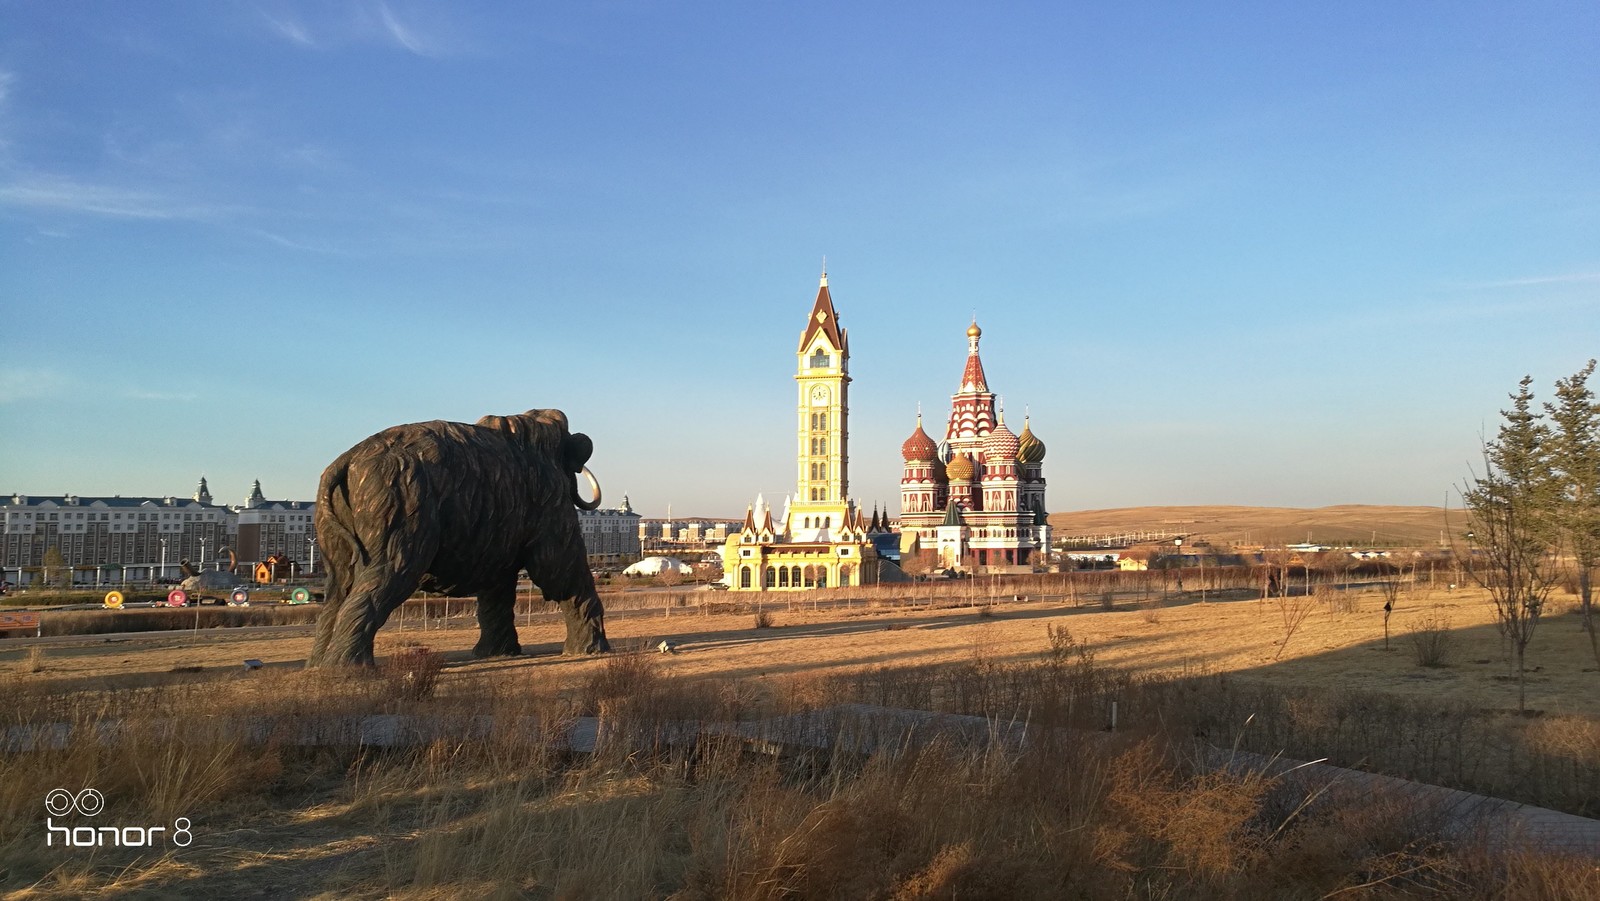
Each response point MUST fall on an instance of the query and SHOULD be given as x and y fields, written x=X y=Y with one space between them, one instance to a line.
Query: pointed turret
x=825 y=319
x=202 y=493
x=952 y=515
x=972 y=406
x=972 y=378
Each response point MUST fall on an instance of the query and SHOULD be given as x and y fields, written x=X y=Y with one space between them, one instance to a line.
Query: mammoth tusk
x=593 y=483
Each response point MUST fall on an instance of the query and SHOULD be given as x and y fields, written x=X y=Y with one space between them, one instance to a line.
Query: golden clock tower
x=821 y=540
x=823 y=377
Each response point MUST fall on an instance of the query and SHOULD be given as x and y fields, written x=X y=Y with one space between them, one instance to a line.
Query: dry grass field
x=1361 y=524
x=1093 y=814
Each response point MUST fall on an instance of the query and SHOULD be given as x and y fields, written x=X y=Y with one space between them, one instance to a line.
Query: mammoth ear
x=576 y=449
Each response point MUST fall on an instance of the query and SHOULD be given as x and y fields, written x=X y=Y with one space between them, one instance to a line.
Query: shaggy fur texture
x=460 y=510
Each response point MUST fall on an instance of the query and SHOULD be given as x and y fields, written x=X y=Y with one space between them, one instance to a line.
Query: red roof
x=972 y=378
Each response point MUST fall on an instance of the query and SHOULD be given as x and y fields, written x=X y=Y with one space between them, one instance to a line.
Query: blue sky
x=1286 y=254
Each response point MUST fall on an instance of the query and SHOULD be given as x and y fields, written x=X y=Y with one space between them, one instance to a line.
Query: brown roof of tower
x=824 y=318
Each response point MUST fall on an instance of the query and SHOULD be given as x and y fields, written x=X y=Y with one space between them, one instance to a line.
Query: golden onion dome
x=973 y=331
x=1029 y=448
x=960 y=468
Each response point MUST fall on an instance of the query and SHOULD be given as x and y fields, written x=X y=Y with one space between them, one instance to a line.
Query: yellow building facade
x=820 y=537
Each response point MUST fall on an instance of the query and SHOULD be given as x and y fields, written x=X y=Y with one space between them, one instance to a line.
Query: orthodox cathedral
x=820 y=539
x=974 y=501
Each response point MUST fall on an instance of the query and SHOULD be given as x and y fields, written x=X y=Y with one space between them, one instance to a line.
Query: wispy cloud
x=142 y=394
x=30 y=384
x=1568 y=278
x=373 y=21
x=7 y=79
x=292 y=244
x=289 y=28
x=68 y=195
x=404 y=35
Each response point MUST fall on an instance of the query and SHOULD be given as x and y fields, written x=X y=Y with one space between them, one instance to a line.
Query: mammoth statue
x=460 y=510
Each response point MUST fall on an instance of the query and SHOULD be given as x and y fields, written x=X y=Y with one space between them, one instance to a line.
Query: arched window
x=772 y=576
x=827 y=522
x=819 y=359
x=822 y=577
x=744 y=577
x=783 y=577
x=811 y=577
x=822 y=419
x=794 y=576
x=845 y=572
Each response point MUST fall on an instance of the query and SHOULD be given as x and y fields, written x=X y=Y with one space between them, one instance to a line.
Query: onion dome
x=1001 y=443
x=973 y=331
x=919 y=447
x=1029 y=448
x=960 y=468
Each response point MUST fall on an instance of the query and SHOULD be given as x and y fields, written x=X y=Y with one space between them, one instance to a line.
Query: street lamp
x=1178 y=544
x=163 y=558
x=202 y=555
x=311 y=569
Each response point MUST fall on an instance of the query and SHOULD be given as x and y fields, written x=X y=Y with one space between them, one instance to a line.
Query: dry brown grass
x=1076 y=813
x=1357 y=523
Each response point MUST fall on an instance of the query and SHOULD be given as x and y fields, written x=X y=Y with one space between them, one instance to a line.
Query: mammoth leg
x=586 y=624
x=497 y=624
x=561 y=570
x=338 y=589
x=347 y=638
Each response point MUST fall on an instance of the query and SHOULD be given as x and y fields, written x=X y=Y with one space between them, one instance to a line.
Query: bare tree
x=1389 y=589
x=1292 y=612
x=1575 y=459
x=1513 y=537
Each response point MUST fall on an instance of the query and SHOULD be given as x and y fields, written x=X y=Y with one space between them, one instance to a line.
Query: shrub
x=1337 y=602
x=413 y=673
x=1432 y=641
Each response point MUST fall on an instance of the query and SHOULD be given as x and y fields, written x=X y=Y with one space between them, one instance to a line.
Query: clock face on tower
x=819 y=396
